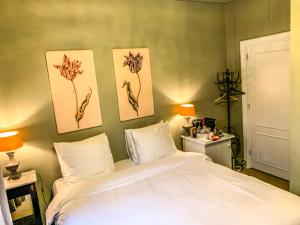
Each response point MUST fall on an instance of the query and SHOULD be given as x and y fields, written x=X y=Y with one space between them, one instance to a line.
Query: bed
x=181 y=189
x=159 y=185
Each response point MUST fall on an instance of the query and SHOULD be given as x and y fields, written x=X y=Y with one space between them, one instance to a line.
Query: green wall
x=187 y=47
x=247 y=19
x=295 y=97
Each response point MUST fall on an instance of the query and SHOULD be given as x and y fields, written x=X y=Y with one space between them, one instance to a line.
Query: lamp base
x=187 y=130
x=187 y=122
x=12 y=167
x=14 y=175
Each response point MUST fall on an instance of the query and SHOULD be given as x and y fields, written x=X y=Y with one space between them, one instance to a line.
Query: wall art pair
x=74 y=88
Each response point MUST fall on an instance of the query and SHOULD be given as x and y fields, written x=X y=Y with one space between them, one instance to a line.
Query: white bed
x=180 y=189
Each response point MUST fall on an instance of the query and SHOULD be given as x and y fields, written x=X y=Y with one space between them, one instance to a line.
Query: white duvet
x=183 y=189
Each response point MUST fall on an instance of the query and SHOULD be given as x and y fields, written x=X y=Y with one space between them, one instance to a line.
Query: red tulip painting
x=74 y=89
x=70 y=70
x=134 y=86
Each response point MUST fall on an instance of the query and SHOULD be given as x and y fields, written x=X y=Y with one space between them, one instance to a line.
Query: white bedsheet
x=182 y=189
x=60 y=184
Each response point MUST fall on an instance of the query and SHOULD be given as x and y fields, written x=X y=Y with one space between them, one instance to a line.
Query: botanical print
x=134 y=86
x=69 y=70
x=74 y=89
x=134 y=64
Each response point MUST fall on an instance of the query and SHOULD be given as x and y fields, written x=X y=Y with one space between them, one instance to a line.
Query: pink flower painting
x=74 y=89
x=69 y=70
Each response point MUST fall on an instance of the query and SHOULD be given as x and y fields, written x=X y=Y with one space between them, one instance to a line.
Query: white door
x=266 y=77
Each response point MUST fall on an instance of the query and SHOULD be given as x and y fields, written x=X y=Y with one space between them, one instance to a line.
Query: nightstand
x=219 y=151
x=17 y=189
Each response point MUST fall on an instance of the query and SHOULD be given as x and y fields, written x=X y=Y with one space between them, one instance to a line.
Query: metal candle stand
x=227 y=83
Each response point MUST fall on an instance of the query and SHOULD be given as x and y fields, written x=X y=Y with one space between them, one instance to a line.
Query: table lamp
x=9 y=142
x=187 y=110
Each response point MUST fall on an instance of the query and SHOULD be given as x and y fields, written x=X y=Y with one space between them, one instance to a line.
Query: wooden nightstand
x=219 y=151
x=22 y=187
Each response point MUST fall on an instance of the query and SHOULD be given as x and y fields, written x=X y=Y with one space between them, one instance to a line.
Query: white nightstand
x=219 y=151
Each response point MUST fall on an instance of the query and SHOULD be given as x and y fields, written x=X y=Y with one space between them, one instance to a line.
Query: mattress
x=60 y=184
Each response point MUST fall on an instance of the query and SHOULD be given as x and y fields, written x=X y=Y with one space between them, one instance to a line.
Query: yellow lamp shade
x=187 y=110
x=10 y=141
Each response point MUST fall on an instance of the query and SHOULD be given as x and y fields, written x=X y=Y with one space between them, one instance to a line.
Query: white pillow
x=83 y=159
x=131 y=150
x=149 y=143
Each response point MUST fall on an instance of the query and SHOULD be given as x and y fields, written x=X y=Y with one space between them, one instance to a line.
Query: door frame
x=244 y=47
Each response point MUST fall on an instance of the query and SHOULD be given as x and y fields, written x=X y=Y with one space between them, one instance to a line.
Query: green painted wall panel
x=278 y=8
x=259 y=19
x=230 y=35
x=187 y=47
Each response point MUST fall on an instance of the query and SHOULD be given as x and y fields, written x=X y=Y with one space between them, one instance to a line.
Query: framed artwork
x=74 y=90
x=133 y=81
